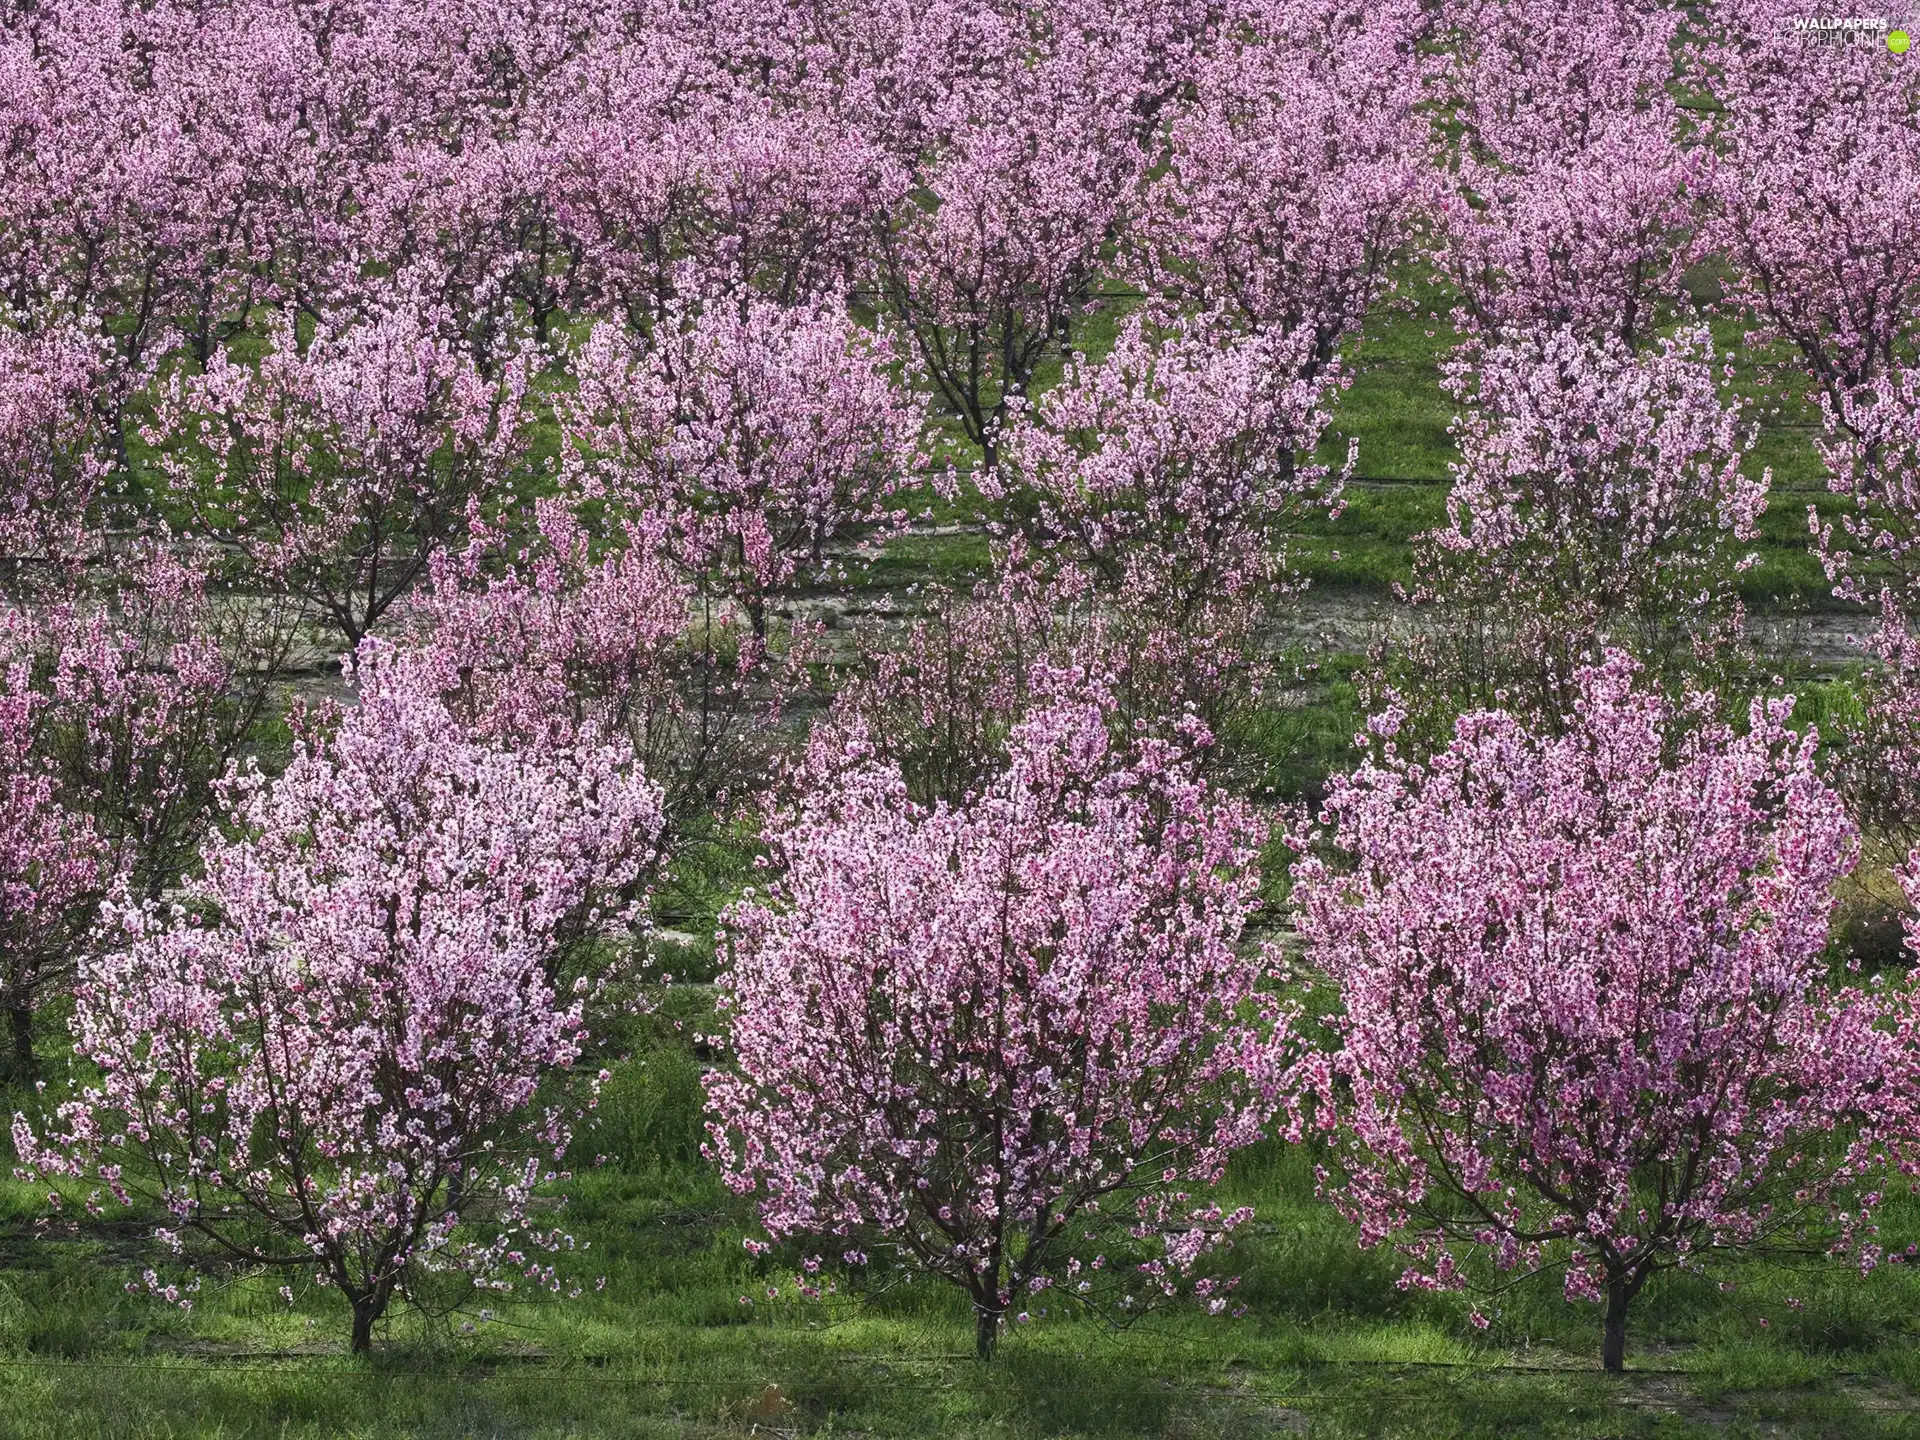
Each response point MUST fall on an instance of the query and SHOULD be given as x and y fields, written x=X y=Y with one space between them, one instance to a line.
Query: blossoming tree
x=326 y=1053
x=1295 y=165
x=1003 y=1036
x=50 y=857
x=1572 y=197
x=766 y=433
x=134 y=689
x=1817 y=191
x=1601 y=498
x=339 y=468
x=1172 y=468
x=570 y=638
x=1587 y=1023
x=50 y=463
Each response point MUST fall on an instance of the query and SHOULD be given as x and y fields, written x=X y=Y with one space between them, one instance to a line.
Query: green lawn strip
x=1328 y=1342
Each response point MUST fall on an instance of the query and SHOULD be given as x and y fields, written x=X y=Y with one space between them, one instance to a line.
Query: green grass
x=1368 y=547
x=1395 y=406
x=1329 y=1345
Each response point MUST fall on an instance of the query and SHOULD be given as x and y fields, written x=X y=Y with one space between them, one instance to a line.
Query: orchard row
x=542 y=357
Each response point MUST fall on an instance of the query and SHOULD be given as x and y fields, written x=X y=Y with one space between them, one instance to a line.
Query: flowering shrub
x=1816 y=191
x=50 y=463
x=1872 y=453
x=567 y=640
x=1877 y=768
x=133 y=690
x=936 y=699
x=763 y=433
x=1295 y=170
x=340 y=468
x=1001 y=1037
x=1587 y=1023
x=50 y=856
x=1027 y=148
x=1171 y=469
x=1601 y=498
x=1572 y=197
x=327 y=1052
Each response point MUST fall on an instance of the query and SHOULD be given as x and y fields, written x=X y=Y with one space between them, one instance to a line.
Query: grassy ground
x=1399 y=413
x=683 y=1339
x=1329 y=1345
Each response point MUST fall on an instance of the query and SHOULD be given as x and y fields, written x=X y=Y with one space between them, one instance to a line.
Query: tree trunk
x=1613 y=1343
x=986 y=1332
x=20 y=1063
x=366 y=1310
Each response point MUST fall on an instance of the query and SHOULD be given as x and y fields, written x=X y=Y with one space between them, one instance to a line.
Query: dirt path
x=1330 y=621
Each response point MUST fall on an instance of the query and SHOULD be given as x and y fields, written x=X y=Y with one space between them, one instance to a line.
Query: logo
x=1872 y=30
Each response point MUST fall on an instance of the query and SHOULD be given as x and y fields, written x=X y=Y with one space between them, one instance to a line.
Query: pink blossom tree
x=1152 y=494
x=50 y=859
x=1907 y=873
x=1572 y=193
x=96 y=229
x=938 y=697
x=136 y=690
x=1872 y=454
x=570 y=638
x=1817 y=190
x=1024 y=165
x=621 y=166
x=1587 y=1022
x=155 y=684
x=1871 y=554
x=327 y=1053
x=1296 y=166
x=677 y=186
x=767 y=434
x=339 y=468
x=1877 y=768
x=1003 y=1036
x=788 y=195
x=558 y=642
x=1601 y=498
x=175 y=166
x=936 y=700
x=51 y=465
x=310 y=161
x=1173 y=468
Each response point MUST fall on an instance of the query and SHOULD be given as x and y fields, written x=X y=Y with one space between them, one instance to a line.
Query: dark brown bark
x=1613 y=1342
x=20 y=1064
x=986 y=1332
x=368 y=1307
